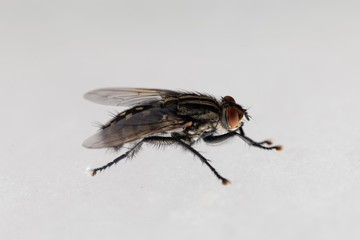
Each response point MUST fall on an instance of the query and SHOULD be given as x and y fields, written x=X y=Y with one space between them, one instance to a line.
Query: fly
x=166 y=117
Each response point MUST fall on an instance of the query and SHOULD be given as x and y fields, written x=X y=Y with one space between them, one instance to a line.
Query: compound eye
x=233 y=118
x=229 y=99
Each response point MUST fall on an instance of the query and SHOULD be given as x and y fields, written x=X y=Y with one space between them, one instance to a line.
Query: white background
x=294 y=64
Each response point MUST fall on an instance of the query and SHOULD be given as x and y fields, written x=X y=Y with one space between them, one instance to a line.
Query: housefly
x=165 y=117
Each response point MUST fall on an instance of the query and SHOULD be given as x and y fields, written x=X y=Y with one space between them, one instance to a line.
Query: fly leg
x=219 y=138
x=178 y=140
x=204 y=160
x=241 y=134
x=159 y=140
x=130 y=153
x=257 y=144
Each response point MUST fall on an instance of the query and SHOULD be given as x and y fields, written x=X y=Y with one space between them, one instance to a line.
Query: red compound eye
x=233 y=117
x=232 y=114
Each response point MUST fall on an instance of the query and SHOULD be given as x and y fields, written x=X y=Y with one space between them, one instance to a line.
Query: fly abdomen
x=126 y=114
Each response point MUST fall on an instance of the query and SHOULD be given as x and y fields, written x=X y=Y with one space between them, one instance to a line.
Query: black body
x=166 y=117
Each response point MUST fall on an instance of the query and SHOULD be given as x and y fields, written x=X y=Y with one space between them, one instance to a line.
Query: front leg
x=251 y=142
x=222 y=138
x=219 y=138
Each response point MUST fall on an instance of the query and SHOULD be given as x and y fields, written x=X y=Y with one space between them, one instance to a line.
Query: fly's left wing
x=134 y=127
x=129 y=96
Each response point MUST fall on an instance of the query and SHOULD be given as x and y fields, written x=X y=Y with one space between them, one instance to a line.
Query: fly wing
x=133 y=127
x=128 y=96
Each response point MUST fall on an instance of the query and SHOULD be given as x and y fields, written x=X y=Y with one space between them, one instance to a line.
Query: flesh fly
x=166 y=117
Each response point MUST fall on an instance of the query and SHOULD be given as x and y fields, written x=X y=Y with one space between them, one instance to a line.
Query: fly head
x=232 y=114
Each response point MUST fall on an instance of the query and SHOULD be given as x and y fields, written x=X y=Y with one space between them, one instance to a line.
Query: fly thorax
x=199 y=129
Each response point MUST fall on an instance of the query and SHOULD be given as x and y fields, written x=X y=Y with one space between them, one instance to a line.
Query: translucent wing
x=128 y=96
x=143 y=124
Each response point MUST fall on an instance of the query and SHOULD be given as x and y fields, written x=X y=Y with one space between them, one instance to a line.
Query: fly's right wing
x=129 y=96
x=135 y=127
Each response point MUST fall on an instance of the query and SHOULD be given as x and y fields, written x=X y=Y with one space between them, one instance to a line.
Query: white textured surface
x=296 y=65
